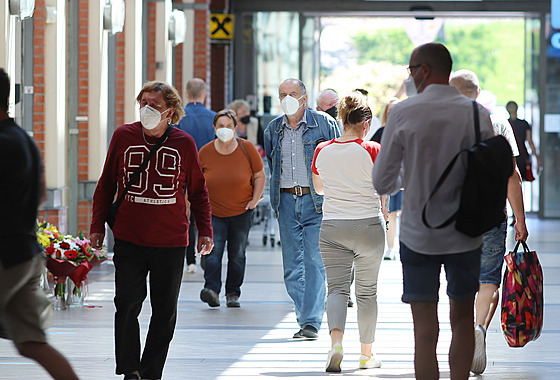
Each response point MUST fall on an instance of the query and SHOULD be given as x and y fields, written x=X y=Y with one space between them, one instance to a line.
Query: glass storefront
x=550 y=133
x=281 y=45
x=285 y=47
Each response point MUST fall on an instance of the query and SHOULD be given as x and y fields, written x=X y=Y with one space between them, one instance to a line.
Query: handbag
x=112 y=216
x=522 y=297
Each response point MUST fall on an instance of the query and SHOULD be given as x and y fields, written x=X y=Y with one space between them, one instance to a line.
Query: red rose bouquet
x=68 y=256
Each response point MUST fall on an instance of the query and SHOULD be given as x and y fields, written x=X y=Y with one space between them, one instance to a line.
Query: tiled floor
x=255 y=340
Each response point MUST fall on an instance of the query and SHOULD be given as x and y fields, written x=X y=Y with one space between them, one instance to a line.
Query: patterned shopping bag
x=522 y=297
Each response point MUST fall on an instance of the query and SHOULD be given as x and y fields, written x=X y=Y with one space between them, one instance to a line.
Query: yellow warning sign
x=221 y=26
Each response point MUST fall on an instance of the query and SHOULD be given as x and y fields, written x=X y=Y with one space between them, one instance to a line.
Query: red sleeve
x=106 y=187
x=317 y=150
x=372 y=147
x=197 y=192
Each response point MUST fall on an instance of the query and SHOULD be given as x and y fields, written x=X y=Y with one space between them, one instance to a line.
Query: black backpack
x=484 y=193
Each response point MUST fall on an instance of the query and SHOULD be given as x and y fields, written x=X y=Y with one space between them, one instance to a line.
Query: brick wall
x=39 y=76
x=201 y=64
x=54 y=216
x=84 y=207
x=178 y=80
x=120 y=82
x=151 y=58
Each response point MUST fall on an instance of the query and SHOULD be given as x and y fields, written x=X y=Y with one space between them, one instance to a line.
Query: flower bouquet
x=68 y=257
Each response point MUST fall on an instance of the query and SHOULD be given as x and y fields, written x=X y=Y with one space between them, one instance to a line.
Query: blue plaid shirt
x=294 y=170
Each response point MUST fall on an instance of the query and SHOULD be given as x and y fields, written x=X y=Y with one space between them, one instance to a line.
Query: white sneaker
x=479 y=359
x=191 y=268
x=335 y=358
x=369 y=362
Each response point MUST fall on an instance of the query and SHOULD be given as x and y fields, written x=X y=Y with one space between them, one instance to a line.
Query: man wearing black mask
x=248 y=126
x=326 y=102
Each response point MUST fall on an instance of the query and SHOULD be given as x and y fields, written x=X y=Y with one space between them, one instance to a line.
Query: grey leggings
x=345 y=242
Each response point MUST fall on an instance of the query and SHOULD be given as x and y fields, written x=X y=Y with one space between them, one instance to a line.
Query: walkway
x=255 y=340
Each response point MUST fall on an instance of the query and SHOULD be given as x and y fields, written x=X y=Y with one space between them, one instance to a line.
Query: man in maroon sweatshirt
x=151 y=225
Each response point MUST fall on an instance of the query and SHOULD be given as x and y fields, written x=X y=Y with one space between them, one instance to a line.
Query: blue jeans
x=304 y=273
x=234 y=230
x=492 y=258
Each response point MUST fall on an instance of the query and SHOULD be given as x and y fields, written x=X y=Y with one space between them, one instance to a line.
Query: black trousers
x=133 y=264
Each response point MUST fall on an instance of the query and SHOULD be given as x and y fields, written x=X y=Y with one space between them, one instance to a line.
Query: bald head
x=196 y=90
x=294 y=82
x=326 y=99
x=436 y=56
x=466 y=82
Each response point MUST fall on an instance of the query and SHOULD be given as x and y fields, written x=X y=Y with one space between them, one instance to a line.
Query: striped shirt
x=294 y=171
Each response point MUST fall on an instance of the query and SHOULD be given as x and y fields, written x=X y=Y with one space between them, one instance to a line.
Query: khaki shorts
x=24 y=307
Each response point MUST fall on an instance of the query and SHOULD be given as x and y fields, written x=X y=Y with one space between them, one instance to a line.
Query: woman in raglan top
x=151 y=226
x=352 y=231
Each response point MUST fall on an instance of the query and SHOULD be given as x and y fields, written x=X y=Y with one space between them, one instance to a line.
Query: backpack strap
x=440 y=181
x=476 y=121
x=446 y=172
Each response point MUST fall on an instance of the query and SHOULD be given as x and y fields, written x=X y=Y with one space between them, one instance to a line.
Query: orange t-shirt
x=228 y=177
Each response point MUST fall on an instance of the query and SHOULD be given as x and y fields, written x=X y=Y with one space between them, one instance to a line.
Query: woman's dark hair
x=227 y=112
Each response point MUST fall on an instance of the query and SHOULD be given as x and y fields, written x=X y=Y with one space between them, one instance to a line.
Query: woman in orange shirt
x=235 y=178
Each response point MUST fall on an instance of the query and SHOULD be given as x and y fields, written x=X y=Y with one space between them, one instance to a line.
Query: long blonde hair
x=385 y=112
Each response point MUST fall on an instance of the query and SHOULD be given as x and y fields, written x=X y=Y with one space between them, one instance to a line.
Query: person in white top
x=422 y=135
x=352 y=230
x=493 y=241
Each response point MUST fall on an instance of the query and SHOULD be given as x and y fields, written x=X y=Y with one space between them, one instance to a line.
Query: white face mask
x=224 y=134
x=368 y=129
x=290 y=105
x=150 y=117
x=410 y=87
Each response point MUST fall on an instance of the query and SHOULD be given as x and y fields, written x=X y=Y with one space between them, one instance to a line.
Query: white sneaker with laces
x=191 y=268
x=479 y=359
x=367 y=362
x=335 y=358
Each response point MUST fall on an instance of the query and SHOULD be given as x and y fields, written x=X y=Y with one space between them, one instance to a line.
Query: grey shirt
x=294 y=171
x=423 y=134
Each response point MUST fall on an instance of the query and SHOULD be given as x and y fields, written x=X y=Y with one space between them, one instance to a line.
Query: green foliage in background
x=383 y=45
x=493 y=50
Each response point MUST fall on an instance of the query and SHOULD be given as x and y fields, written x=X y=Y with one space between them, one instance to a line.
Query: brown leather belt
x=298 y=190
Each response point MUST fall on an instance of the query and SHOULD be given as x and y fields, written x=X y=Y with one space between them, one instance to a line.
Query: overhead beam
x=347 y=7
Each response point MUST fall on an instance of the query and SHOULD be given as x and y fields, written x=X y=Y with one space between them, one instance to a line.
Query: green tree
x=384 y=45
x=494 y=50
